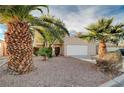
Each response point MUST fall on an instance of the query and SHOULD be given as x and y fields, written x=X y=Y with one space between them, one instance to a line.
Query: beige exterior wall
x=62 y=50
x=78 y=41
x=3 y=51
x=1 y=48
x=73 y=41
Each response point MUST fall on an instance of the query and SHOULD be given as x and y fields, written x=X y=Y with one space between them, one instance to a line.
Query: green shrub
x=50 y=52
x=45 y=52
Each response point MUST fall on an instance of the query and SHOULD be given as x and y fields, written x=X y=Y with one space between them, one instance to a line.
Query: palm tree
x=18 y=37
x=103 y=31
x=117 y=33
x=51 y=29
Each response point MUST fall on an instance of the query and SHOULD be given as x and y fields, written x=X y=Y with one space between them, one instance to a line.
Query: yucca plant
x=18 y=38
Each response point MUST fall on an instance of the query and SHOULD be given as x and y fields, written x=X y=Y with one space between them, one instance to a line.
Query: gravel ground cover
x=56 y=72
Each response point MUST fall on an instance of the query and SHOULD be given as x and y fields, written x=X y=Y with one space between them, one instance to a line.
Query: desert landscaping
x=42 y=50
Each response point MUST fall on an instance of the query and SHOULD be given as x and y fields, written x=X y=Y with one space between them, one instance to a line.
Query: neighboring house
x=113 y=47
x=3 y=51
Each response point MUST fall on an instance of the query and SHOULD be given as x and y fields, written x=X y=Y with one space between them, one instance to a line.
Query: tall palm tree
x=18 y=37
x=103 y=31
x=51 y=29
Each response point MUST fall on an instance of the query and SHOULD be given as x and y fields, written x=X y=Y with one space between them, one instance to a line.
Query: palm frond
x=19 y=12
x=103 y=29
x=57 y=22
x=53 y=31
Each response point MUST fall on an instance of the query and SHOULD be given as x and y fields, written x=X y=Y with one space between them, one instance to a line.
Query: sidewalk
x=117 y=82
x=85 y=58
x=3 y=61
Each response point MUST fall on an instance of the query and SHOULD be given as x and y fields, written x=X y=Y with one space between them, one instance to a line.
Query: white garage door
x=77 y=50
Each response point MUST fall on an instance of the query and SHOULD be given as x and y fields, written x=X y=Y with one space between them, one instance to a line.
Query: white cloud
x=77 y=21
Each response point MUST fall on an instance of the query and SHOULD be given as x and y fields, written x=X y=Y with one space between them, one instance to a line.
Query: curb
x=3 y=63
x=85 y=59
x=116 y=82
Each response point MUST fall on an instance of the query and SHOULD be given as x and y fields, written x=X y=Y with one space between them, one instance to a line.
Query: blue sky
x=77 y=17
x=3 y=29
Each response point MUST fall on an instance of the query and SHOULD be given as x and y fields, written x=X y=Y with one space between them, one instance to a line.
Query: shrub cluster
x=45 y=52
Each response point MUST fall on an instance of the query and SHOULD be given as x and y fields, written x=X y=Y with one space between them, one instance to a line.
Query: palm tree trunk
x=102 y=49
x=19 y=47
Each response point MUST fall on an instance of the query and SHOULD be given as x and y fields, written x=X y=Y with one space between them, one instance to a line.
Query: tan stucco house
x=3 y=51
x=37 y=45
x=74 y=46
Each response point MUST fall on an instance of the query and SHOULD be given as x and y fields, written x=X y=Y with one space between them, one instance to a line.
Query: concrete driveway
x=56 y=72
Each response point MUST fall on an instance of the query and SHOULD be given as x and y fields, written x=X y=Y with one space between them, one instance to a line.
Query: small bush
x=45 y=52
x=111 y=62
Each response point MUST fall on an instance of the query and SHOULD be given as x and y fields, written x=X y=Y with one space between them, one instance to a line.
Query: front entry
x=57 y=51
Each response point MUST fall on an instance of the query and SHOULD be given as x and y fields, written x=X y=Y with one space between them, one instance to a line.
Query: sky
x=3 y=29
x=76 y=17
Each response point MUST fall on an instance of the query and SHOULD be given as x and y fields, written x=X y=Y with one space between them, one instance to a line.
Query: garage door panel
x=77 y=50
